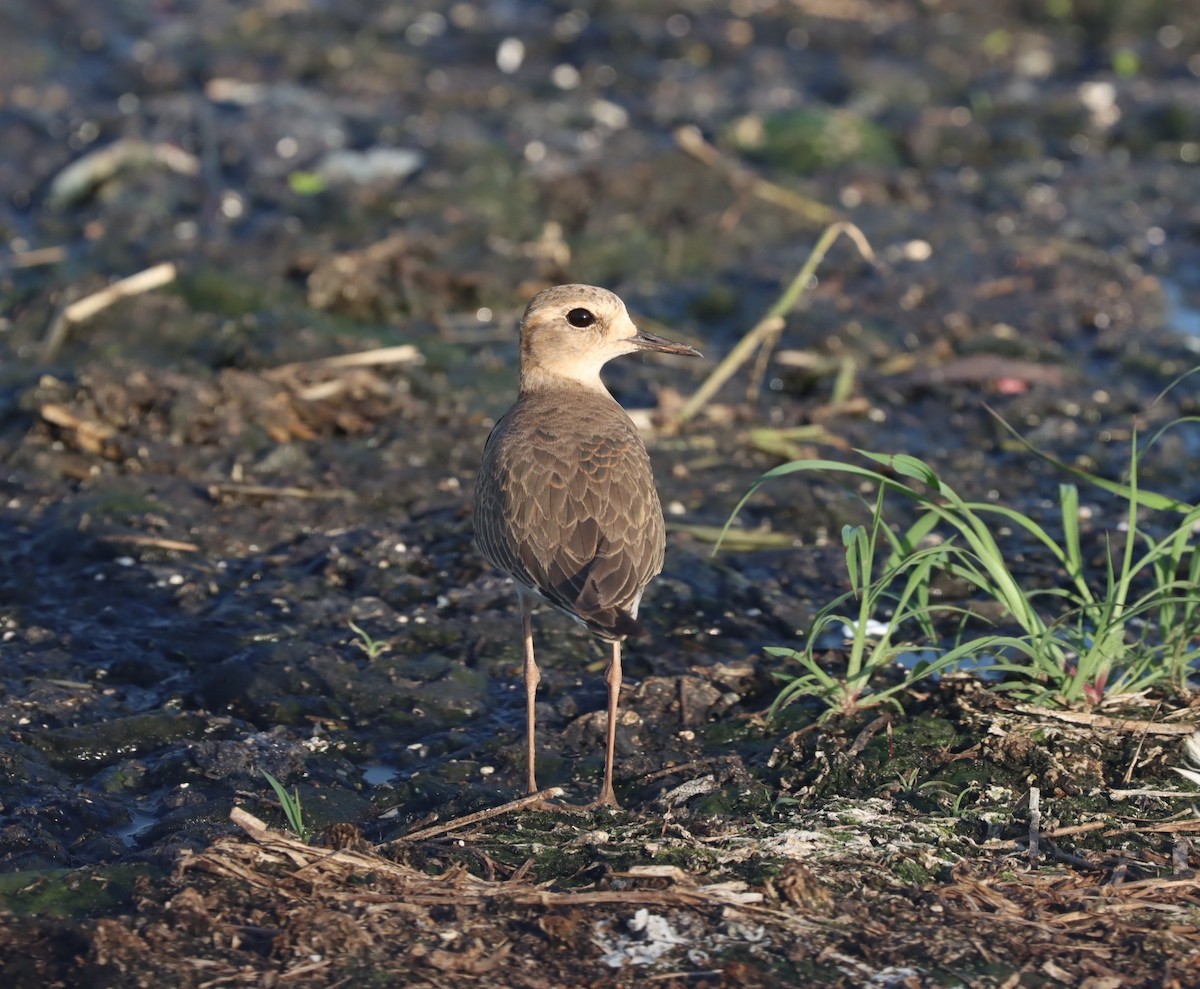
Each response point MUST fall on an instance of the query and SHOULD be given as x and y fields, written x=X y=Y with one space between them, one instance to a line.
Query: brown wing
x=565 y=503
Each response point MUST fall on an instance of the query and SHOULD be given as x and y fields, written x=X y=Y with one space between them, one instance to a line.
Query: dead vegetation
x=263 y=909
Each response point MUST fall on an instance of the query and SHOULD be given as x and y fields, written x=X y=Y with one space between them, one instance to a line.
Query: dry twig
x=1105 y=722
x=153 y=542
x=87 y=173
x=740 y=177
x=323 y=872
x=530 y=800
x=404 y=353
x=765 y=333
x=37 y=257
x=1035 y=824
x=229 y=488
x=88 y=306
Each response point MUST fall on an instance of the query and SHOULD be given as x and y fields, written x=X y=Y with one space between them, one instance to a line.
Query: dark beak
x=652 y=341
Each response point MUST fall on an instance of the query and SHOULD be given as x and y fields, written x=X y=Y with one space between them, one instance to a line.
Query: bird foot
x=604 y=801
x=607 y=799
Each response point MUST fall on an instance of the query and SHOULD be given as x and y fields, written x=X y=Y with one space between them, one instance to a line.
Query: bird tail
x=626 y=625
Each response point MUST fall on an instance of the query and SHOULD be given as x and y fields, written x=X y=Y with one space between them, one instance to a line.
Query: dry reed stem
x=530 y=800
x=90 y=305
x=741 y=178
x=404 y=353
x=766 y=332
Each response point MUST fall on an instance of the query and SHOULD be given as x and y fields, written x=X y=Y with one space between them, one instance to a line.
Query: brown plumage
x=565 y=501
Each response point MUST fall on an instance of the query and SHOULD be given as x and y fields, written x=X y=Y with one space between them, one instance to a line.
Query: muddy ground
x=196 y=507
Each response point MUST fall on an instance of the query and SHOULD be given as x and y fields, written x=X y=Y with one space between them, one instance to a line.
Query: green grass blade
x=293 y=812
x=1147 y=499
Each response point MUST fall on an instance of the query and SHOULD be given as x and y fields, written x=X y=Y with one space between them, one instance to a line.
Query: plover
x=565 y=501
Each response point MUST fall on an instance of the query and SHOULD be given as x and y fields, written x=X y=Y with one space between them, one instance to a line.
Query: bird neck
x=537 y=378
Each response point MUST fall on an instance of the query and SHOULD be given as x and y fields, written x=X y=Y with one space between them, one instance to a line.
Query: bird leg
x=532 y=678
x=608 y=797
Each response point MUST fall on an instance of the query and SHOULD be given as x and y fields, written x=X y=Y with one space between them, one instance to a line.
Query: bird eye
x=580 y=318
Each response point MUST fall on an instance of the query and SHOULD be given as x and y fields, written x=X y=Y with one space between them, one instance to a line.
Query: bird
x=564 y=500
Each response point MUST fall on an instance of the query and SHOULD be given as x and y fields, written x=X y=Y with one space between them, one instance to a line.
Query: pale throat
x=582 y=372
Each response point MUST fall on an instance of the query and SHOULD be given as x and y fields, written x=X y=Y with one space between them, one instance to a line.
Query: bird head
x=571 y=331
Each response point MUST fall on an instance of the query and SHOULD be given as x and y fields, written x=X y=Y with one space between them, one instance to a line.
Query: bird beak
x=652 y=341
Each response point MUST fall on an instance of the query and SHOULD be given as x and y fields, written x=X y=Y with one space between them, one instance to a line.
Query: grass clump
x=874 y=612
x=1130 y=626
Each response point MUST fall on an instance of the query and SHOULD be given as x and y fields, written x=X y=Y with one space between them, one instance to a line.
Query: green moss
x=815 y=138
x=742 y=800
x=115 y=502
x=107 y=742
x=721 y=734
x=910 y=871
x=222 y=291
x=423 y=637
x=73 y=893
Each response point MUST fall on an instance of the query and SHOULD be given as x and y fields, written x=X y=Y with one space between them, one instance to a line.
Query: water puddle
x=138 y=822
x=982 y=665
x=1182 y=315
x=379 y=773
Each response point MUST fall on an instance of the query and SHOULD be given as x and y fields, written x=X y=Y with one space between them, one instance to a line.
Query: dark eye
x=580 y=318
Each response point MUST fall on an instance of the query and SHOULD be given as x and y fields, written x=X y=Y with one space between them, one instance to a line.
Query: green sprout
x=293 y=812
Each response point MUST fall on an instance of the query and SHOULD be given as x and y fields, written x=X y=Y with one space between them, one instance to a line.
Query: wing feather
x=565 y=503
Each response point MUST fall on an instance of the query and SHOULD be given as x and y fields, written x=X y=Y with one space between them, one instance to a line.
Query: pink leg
x=532 y=678
x=608 y=796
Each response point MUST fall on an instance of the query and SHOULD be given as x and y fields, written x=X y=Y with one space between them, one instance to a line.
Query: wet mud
x=224 y=553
